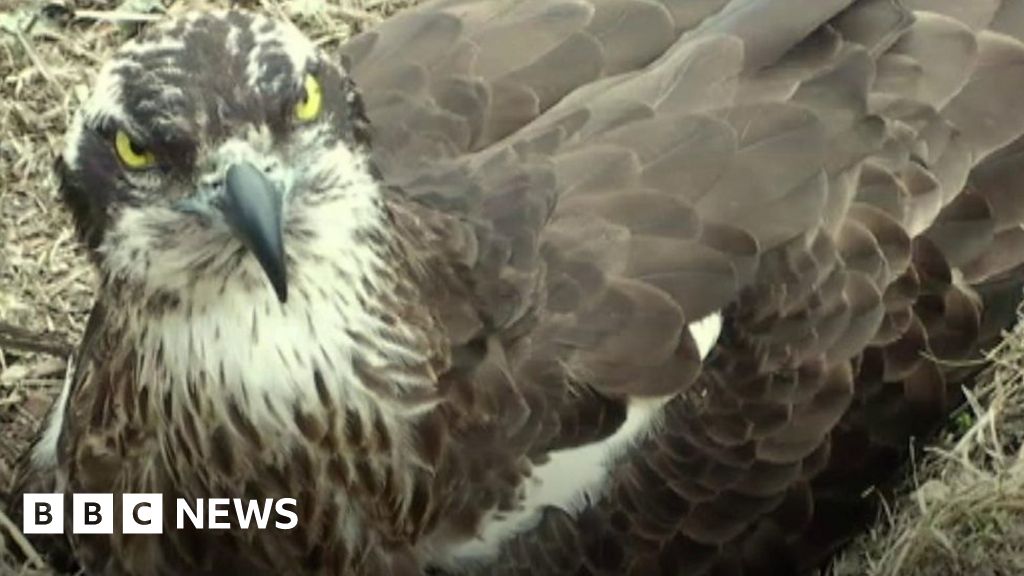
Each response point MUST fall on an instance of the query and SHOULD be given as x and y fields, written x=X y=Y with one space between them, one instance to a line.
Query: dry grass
x=964 y=510
x=967 y=517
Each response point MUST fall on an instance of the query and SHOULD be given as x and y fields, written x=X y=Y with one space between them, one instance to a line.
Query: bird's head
x=206 y=145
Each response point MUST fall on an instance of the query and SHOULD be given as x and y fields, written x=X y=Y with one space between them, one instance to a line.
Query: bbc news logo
x=143 y=514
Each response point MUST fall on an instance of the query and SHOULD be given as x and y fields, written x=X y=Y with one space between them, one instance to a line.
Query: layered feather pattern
x=838 y=178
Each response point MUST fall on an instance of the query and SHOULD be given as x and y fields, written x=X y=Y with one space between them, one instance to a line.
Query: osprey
x=547 y=287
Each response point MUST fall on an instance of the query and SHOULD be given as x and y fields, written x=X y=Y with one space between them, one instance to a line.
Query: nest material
x=963 y=511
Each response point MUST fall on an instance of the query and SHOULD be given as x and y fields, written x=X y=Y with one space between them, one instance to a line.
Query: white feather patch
x=44 y=453
x=575 y=476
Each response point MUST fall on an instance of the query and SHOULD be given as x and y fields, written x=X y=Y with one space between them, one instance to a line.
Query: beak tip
x=281 y=290
x=276 y=273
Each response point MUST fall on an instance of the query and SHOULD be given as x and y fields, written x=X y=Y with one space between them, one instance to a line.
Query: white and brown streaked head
x=209 y=143
x=220 y=176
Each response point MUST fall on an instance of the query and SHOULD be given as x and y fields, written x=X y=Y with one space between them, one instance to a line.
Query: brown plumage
x=556 y=193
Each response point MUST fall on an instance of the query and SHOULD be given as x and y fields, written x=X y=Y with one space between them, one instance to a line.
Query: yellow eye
x=132 y=156
x=309 y=107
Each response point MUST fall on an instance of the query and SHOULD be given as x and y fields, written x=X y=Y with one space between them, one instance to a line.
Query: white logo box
x=92 y=514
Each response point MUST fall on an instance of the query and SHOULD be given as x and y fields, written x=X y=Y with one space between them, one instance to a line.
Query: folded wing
x=838 y=180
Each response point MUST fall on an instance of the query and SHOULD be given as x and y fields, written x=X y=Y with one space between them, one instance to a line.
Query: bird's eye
x=131 y=154
x=309 y=107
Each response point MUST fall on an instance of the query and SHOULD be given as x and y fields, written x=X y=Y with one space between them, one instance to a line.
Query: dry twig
x=23 y=340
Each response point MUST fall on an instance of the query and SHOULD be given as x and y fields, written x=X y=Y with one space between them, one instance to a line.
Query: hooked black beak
x=252 y=207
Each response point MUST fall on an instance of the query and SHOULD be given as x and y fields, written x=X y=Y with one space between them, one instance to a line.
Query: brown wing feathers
x=838 y=178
